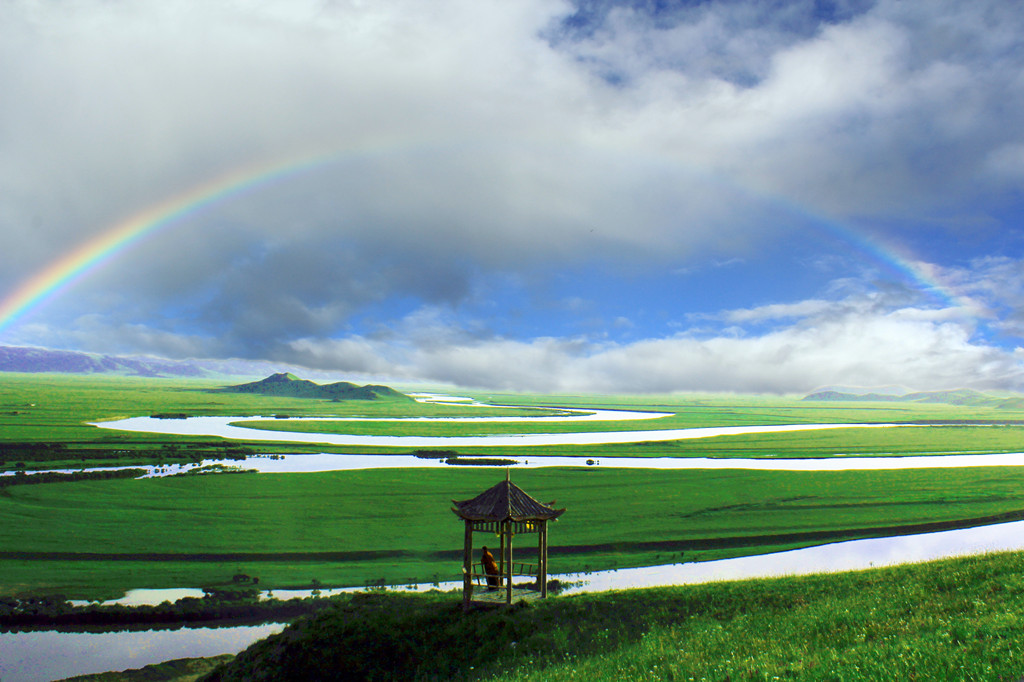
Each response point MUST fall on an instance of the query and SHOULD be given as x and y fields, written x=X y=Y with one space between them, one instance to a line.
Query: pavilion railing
x=519 y=568
x=517 y=527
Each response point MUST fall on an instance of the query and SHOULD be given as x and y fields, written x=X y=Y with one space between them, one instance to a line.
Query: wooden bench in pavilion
x=505 y=510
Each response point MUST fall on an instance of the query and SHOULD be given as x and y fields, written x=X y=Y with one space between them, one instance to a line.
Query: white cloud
x=472 y=144
x=352 y=355
x=897 y=109
x=97 y=333
x=111 y=107
x=777 y=311
x=849 y=344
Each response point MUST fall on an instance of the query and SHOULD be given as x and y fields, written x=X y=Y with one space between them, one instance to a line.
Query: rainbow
x=63 y=273
x=73 y=266
x=924 y=274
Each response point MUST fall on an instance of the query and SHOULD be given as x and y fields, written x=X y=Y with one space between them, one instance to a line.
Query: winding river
x=231 y=427
x=28 y=656
x=234 y=428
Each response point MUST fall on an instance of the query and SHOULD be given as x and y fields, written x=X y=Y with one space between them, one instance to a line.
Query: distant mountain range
x=19 y=359
x=962 y=396
x=289 y=385
x=36 y=360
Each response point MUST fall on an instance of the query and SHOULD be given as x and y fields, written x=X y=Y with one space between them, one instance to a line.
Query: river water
x=313 y=463
x=48 y=655
x=227 y=427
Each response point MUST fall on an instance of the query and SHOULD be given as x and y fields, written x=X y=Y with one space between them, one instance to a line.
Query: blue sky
x=542 y=196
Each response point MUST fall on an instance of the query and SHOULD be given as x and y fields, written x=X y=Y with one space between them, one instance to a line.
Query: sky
x=593 y=196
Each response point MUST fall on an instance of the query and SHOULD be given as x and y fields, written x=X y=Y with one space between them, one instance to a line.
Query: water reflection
x=838 y=556
x=314 y=463
x=333 y=462
x=48 y=655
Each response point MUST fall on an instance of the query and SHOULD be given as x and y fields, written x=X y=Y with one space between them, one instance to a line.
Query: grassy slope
x=950 y=620
x=396 y=524
x=181 y=670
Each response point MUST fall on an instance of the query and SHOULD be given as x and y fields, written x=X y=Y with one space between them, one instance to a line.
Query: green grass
x=54 y=410
x=56 y=407
x=49 y=409
x=939 y=440
x=949 y=620
x=353 y=528
x=356 y=527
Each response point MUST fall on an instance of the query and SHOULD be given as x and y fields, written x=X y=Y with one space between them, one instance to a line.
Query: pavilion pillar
x=501 y=553
x=507 y=533
x=542 y=559
x=467 y=567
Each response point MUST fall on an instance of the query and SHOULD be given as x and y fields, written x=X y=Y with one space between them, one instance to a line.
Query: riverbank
x=949 y=620
x=120 y=650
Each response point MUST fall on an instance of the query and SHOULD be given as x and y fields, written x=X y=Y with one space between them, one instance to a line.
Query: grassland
x=97 y=538
x=950 y=620
x=94 y=538
x=44 y=419
x=44 y=423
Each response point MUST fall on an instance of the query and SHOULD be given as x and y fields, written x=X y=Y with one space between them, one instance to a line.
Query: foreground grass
x=949 y=620
x=96 y=538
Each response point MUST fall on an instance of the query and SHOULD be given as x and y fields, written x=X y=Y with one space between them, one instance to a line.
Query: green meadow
x=96 y=538
x=44 y=423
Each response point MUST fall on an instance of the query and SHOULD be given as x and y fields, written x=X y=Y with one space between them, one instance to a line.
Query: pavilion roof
x=505 y=501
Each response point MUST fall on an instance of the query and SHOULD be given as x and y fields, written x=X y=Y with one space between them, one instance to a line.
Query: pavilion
x=505 y=510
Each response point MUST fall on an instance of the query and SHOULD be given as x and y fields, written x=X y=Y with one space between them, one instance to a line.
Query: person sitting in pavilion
x=490 y=570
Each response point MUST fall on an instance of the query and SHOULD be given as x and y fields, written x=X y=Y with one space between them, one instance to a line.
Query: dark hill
x=288 y=385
